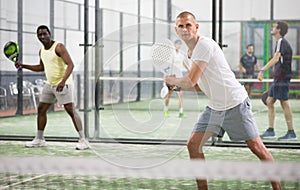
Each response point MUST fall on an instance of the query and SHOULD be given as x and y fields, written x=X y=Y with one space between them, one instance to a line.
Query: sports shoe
x=82 y=144
x=289 y=136
x=268 y=135
x=166 y=113
x=36 y=143
x=181 y=115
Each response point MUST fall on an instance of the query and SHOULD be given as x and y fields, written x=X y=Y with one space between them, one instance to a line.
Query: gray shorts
x=238 y=122
x=50 y=95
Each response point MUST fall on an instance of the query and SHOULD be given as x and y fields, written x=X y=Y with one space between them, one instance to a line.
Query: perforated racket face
x=162 y=53
x=11 y=51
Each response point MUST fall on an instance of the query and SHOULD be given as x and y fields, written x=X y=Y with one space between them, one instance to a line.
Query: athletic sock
x=270 y=129
x=81 y=134
x=166 y=108
x=291 y=131
x=40 y=134
x=180 y=110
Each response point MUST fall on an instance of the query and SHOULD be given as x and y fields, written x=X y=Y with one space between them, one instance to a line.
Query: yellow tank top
x=54 y=66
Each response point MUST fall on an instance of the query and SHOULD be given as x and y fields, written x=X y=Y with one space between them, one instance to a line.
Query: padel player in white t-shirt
x=228 y=109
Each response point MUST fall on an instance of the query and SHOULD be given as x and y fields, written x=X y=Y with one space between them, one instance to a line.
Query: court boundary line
x=23 y=181
x=175 y=142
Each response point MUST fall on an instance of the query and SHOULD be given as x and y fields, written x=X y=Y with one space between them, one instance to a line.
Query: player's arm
x=62 y=52
x=242 y=69
x=271 y=63
x=36 y=68
x=190 y=81
x=256 y=67
x=186 y=66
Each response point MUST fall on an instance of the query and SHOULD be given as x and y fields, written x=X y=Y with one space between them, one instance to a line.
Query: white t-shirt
x=218 y=82
x=177 y=67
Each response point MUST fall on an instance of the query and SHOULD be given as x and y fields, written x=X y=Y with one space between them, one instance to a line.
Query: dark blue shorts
x=279 y=89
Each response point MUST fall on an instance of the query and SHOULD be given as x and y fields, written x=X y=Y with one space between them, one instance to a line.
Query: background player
x=279 y=89
x=58 y=66
x=180 y=66
x=248 y=64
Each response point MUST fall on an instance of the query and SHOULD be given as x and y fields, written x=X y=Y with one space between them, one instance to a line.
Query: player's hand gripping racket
x=163 y=53
x=11 y=51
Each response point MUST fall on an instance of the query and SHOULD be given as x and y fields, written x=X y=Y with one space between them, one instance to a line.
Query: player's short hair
x=283 y=27
x=177 y=41
x=43 y=27
x=249 y=45
x=185 y=14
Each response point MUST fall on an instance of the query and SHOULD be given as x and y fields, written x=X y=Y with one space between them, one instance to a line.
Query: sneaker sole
x=268 y=137
x=290 y=139
x=82 y=148
x=35 y=146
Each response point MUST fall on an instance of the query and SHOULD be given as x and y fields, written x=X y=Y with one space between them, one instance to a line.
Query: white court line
x=23 y=181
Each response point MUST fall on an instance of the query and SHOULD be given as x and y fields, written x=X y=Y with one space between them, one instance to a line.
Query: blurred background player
x=279 y=89
x=180 y=65
x=248 y=66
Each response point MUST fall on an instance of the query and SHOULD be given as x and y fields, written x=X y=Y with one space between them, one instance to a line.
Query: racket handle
x=18 y=67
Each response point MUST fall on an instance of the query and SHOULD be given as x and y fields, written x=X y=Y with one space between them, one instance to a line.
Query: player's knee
x=284 y=104
x=42 y=109
x=257 y=146
x=194 y=147
x=270 y=103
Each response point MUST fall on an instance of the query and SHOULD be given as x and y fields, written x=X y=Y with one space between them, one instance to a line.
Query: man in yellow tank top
x=58 y=66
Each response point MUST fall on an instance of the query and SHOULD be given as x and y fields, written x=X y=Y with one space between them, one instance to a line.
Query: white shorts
x=50 y=95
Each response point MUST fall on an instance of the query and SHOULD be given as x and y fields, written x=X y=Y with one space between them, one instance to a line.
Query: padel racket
x=11 y=51
x=163 y=53
x=164 y=91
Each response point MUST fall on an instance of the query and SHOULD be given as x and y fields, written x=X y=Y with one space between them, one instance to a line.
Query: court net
x=95 y=173
x=129 y=88
x=126 y=88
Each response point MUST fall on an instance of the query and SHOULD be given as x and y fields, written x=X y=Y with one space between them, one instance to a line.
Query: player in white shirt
x=179 y=67
x=228 y=109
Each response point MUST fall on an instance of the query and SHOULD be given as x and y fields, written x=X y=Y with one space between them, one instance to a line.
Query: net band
x=167 y=169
